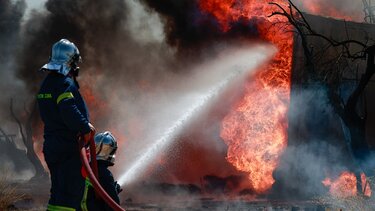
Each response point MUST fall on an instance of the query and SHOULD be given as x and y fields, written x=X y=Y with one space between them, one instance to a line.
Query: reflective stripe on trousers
x=83 y=202
x=59 y=208
x=84 y=199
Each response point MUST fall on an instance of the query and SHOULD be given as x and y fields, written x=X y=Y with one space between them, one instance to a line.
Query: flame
x=365 y=185
x=255 y=128
x=346 y=185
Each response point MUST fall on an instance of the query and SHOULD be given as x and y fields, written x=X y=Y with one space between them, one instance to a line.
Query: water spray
x=171 y=133
x=236 y=66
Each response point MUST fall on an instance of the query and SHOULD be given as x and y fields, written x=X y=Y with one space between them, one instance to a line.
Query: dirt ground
x=36 y=197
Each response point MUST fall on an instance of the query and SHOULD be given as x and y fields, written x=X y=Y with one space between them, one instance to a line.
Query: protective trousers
x=67 y=183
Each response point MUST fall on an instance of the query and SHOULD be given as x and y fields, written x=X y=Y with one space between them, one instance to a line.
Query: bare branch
x=18 y=122
x=304 y=21
x=304 y=28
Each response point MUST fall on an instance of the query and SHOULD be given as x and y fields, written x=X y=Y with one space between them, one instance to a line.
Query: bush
x=8 y=192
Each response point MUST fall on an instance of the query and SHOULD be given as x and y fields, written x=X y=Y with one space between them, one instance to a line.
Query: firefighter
x=65 y=117
x=106 y=146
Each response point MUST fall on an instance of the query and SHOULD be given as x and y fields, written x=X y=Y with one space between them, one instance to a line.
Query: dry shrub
x=8 y=192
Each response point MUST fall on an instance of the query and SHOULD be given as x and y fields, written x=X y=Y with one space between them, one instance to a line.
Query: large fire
x=255 y=129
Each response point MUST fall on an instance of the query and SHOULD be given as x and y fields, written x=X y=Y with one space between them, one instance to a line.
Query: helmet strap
x=74 y=71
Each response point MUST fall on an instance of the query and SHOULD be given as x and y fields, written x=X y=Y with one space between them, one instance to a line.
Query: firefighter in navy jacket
x=65 y=116
x=106 y=147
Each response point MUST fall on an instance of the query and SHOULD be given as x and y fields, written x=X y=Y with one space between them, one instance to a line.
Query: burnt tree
x=331 y=74
x=9 y=150
x=26 y=131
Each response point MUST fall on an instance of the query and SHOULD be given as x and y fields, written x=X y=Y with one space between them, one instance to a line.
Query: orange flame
x=365 y=185
x=346 y=185
x=255 y=129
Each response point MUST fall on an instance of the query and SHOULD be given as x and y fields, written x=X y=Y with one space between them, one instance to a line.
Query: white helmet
x=64 y=53
x=106 y=146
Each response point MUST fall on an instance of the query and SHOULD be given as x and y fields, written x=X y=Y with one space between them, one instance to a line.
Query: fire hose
x=92 y=172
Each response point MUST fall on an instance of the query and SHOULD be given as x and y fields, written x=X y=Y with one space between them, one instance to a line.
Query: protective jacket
x=62 y=107
x=65 y=115
x=108 y=183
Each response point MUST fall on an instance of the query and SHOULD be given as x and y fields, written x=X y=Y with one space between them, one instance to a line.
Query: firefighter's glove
x=90 y=135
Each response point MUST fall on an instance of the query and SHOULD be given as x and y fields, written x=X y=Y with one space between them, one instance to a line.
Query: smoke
x=90 y=24
x=348 y=9
x=190 y=30
x=316 y=150
x=118 y=61
x=11 y=170
x=121 y=43
x=87 y=23
x=11 y=13
x=136 y=75
x=144 y=27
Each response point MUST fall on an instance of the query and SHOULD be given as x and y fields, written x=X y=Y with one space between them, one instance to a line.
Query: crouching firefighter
x=65 y=116
x=106 y=147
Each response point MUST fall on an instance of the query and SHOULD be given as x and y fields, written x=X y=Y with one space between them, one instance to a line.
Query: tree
x=331 y=74
x=26 y=131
